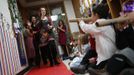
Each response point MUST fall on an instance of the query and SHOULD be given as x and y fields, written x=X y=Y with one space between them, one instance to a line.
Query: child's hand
x=92 y=60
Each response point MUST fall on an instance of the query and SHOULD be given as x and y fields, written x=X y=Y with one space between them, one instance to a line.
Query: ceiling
x=31 y=3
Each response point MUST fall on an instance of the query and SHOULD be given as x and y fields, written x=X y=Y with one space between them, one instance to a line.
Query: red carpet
x=56 y=70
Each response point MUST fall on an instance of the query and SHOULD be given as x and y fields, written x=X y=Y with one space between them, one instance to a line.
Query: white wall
x=4 y=9
x=70 y=14
x=6 y=13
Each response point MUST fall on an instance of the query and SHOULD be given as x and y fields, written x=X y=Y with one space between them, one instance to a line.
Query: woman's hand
x=34 y=32
x=92 y=60
x=50 y=26
x=29 y=23
x=59 y=27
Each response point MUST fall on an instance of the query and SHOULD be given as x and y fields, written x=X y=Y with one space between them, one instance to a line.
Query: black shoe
x=51 y=65
x=65 y=58
x=79 y=69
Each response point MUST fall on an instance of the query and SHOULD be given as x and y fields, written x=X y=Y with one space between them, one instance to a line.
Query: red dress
x=92 y=42
x=62 y=37
x=29 y=45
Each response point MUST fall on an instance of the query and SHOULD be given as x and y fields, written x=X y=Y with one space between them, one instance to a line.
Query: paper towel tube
x=111 y=21
x=76 y=19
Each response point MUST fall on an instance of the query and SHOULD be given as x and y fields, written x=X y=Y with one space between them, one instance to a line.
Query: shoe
x=51 y=65
x=65 y=58
x=79 y=69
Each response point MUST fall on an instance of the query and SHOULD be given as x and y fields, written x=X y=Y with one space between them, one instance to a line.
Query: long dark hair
x=62 y=23
x=30 y=18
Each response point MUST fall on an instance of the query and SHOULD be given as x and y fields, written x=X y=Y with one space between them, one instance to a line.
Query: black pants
x=53 y=52
x=116 y=64
x=30 y=61
x=44 y=53
x=64 y=50
x=49 y=52
x=36 y=40
x=37 y=53
x=101 y=65
x=88 y=55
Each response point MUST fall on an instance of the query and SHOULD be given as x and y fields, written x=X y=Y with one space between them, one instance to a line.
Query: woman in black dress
x=49 y=49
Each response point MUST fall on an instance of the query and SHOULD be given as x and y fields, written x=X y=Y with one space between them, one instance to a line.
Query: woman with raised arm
x=48 y=48
x=62 y=37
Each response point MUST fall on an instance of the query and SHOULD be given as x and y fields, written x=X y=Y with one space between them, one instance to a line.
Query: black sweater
x=125 y=38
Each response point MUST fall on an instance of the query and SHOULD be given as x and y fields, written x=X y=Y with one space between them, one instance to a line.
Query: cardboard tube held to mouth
x=77 y=19
x=111 y=21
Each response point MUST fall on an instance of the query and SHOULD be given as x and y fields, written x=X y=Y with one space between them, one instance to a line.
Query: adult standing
x=50 y=51
x=36 y=36
x=29 y=44
x=125 y=43
x=62 y=37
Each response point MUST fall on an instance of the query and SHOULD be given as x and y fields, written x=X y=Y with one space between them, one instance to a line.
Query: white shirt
x=104 y=38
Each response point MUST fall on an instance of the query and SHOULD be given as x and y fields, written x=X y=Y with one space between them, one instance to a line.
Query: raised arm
x=88 y=28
